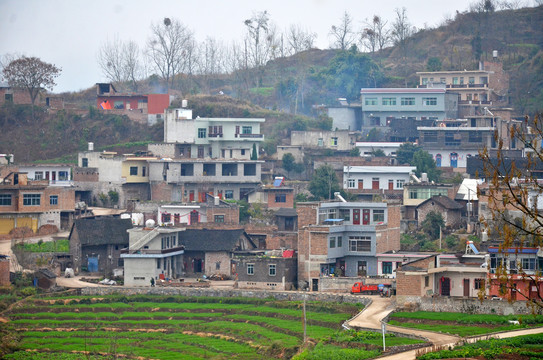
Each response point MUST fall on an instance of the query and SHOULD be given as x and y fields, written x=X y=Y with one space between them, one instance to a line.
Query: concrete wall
x=259 y=294
x=310 y=139
x=343 y=118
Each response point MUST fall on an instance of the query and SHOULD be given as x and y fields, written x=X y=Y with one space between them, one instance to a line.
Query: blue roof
x=513 y=250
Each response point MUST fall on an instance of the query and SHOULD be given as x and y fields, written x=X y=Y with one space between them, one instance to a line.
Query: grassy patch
x=62 y=245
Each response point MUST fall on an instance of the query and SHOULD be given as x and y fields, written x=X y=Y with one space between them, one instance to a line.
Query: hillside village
x=411 y=192
x=195 y=183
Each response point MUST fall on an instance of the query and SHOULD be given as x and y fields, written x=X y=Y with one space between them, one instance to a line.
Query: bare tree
x=210 y=61
x=299 y=39
x=256 y=40
x=343 y=34
x=121 y=62
x=510 y=4
x=402 y=30
x=375 y=36
x=168 y=47
x=31 y=74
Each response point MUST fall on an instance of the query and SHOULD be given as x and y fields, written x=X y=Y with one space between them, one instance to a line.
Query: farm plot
x=462 y=324
x=170 y=327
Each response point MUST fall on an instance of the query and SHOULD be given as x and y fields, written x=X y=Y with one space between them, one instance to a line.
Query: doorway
x=466 y=287
x=314 y=284
x=92 y=265
x=445 y=286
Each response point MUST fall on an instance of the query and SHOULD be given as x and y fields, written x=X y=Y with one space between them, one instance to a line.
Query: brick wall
x=450 y=217
x=388 y=236
x=307 y=213
x=20 y=97
x=223 y=260
x=86 y=174
x=315 y=237
x=160 y=191
x=287 y=240
x=231 y=214
x=412 y=284
x=4 y=272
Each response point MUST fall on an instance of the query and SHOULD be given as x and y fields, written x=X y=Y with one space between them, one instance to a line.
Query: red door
x=191 y=195
x=360 y=184
x=356 y=216
x=391 y=184
x=366 y=217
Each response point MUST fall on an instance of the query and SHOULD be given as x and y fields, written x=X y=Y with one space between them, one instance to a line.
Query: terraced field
x=154 y=327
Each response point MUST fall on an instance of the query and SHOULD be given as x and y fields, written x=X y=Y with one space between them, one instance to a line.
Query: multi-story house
x=451 y=142
x=214 y=138
x=477 y=89
x=379 y=106
x=368 y=148
x=56 y=175
x=98 y=173
x=189 y=180
x=343 y=238
x=376 y=179
x=415 y=193
x=34 y=203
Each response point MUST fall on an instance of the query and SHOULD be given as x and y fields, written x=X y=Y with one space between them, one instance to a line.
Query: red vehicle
x=361 y=288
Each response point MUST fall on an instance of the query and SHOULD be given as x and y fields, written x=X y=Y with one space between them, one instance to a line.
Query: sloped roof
x=444 y=201
x=213 y=240
x=286 y=212
x=102 y=231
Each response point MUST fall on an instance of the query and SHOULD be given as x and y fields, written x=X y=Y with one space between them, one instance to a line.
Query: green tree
x=355 y=152
x=324 y=183
x=254 y=153
x=425 y=164
x=374 y=135
x=378 y=153
x=432 y=224
x=405 y=152
x=288 y=162
x=433 y=64
x=349 y=71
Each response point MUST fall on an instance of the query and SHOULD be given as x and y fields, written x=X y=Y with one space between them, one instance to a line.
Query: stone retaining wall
x=468 y=306
x=259 y=294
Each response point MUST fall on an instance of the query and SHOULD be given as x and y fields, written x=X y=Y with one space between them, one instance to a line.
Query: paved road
x=372 y=315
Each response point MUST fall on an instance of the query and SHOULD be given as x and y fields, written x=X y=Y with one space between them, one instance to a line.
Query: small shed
x=46 y=279
x=450 y=210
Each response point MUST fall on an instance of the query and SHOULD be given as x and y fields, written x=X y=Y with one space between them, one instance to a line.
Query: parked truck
x=381 y=289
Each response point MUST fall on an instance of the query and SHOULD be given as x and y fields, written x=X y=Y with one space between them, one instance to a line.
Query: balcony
x=250 y=136
x=213 y=135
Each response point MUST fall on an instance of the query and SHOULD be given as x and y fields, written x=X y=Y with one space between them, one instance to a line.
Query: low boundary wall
x=467 y=306
x=259 y=294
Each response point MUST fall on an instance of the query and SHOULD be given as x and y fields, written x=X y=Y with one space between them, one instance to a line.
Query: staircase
x=138 y=244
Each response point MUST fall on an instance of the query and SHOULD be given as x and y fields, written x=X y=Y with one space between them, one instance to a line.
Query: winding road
x=371 y=317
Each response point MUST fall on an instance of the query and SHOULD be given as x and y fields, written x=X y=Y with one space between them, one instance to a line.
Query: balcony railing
x=250 y=136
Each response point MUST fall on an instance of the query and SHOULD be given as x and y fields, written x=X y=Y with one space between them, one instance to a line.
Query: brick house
x=146 y=108
x=17 y=96
x=96 y=244
x=34 y=203
x=343 y=238
x=4 y=270
x=273 y=196
x=210 y=251
x=448 y=208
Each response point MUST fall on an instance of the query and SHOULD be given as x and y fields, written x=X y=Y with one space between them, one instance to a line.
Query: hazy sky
x=68 y=33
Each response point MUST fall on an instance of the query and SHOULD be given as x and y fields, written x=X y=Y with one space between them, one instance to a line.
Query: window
x=429 y=101
x=31 y=199
x=118 y=105
x=479 y=284
x=201 y=133
x=462 y=80
x=442 y=80
x=351 y=183
x=320 y=142
x=359 y=243
x=246 y=129
x=250 y=269
x=378 y=215
x=280 y=198
x=387 y=267
x=38 y=175
x=426 y=281
x=389 y=101
x=158 y=263
x=63 y=175
x=471 y=80
x=5 y=200
x=219 y=218
x=271 y=269
x=345 y=214
x=408 y=101
x=339 y=241
x=218 y=265
x=53 y=200
x=528 y=264
x=133 y=171
x=455 y=80
x=332 y=242
x=242 y=152
x=143 y=169
x=399 y=183
x=424 y=81
x=370 y=101
x=333 y=141
x=8 y=97
x=229 y=194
